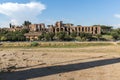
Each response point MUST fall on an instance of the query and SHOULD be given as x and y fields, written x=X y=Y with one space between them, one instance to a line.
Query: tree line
x=13 y=35
x=63 y=36
x=60 y=36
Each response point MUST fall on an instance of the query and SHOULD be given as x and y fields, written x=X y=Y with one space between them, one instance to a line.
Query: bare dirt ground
x=89 y=63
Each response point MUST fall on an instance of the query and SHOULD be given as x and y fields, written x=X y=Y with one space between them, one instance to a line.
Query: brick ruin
x=37 y=29
x=68 y=28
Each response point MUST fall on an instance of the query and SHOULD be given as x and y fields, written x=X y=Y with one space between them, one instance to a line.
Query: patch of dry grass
x=55 y=44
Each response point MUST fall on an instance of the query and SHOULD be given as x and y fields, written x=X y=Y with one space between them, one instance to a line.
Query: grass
x=118 y=43
x=54 y=44
x=75 y=45
x=107 y=37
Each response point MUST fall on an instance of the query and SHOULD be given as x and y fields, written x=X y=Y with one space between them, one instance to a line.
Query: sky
x=78 y=12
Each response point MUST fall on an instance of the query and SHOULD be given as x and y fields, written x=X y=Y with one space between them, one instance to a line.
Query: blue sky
x=79 y=12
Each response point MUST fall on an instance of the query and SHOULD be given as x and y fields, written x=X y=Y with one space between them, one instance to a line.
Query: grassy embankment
x=55 y=44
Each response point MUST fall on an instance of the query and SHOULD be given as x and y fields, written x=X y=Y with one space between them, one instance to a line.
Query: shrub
x=34 y=44
x=61 y=36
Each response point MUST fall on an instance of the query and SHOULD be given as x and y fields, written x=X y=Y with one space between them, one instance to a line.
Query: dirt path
x=91 y=63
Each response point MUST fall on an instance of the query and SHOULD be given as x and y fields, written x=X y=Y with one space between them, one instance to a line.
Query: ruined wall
x=68 y=28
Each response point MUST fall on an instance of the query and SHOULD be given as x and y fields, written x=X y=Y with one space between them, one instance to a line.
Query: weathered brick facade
x=68 y=28
x=36 y=29
x=59 y=27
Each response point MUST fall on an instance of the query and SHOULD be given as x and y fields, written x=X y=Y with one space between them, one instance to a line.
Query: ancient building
x=37 y=29
x=69 y=28
x=15 y=28
x=32 y=35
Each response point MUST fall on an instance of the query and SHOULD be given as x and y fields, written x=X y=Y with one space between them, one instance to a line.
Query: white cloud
x=18 y=12
x=116 y=26
x=117 y=15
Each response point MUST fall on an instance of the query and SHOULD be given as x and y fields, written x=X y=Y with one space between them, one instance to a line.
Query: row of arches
x=93 y=30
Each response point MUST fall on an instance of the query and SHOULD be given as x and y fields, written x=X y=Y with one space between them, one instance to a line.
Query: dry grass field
x=80 y=63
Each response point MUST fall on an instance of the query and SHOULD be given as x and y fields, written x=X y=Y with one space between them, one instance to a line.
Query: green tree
x=73 y=34
x=115 y=35
x=88 y=36
x=85 y=36
x=51 y=34
x=41 y=37
x=3 y=38
x=47 y=37
x=23 y=31
x=82 y=35
x=98 y=36
x=20 y=37
x=68 y=38
x=15 y=36
x=26 y=23
x=61 y=36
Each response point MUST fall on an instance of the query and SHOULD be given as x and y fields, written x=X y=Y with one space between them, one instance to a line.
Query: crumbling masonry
x=37 y=29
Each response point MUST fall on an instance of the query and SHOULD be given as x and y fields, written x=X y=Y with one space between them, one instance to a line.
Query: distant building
x=36 y=30
x=60 y=26
x=69 y=28
x=32 y=35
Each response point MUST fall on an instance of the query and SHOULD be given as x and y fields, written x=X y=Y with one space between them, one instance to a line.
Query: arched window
x=57 y=29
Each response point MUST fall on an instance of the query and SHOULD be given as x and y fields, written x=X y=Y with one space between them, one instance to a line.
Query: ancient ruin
x=36 y=30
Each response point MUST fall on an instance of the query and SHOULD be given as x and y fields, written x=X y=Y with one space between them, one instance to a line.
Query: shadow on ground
x=51 y=70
